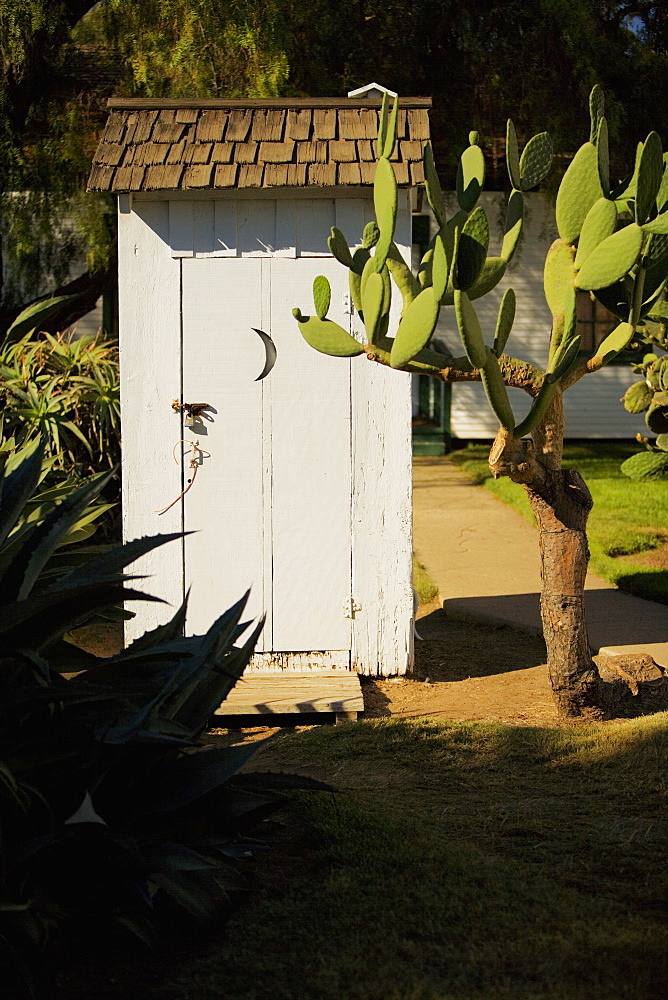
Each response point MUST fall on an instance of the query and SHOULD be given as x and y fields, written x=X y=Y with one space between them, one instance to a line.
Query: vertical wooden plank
x=181 y=228
x=286 y=227
x=150 y=352
x=203 y=228
x=225 y=227
x=222 y=357
x=315 y=217
x=256 y=227
x=311 y=502
x=382 y=519
x=350 y=219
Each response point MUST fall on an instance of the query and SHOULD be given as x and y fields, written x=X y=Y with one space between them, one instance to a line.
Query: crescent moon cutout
x=270 y=349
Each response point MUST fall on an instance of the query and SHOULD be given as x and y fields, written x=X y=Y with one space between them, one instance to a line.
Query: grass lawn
x=460 y=861
x=628 y=518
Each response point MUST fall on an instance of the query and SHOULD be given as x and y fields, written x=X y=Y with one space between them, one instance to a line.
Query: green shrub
x=67 y=393
x=110 y=805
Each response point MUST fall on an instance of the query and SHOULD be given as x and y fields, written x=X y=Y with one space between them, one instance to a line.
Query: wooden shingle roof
x=189 y=144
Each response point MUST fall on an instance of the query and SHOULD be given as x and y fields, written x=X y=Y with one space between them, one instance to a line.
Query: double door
x=270 y=509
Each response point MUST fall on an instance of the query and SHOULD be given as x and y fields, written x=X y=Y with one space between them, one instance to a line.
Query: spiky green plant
x=613 y=244
x=111 y=804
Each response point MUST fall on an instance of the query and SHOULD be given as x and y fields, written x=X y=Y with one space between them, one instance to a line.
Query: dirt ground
x=468 y=669
x=464 y=669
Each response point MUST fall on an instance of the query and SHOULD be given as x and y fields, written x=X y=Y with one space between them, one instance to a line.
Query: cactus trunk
x=561 y=503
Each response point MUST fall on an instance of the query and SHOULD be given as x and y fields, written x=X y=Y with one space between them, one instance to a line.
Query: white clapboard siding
x=222 y=357
x=150 y=352
x=382 y=521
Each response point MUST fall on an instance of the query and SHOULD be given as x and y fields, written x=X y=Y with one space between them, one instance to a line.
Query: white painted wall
x=304 y=492
x=593 y=408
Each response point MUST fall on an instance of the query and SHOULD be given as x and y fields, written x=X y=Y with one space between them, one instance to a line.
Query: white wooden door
x=225 y=509
x=271 y=505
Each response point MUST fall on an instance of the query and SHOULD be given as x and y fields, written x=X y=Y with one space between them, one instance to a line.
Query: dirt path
x=468 y=669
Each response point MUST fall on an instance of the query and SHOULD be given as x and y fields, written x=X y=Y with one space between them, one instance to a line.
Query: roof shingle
x=173 y=145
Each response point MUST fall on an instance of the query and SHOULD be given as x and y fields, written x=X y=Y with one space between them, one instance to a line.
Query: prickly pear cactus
x=646 y=465
x=613 y=245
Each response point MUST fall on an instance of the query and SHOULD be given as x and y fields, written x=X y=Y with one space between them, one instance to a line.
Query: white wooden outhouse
x=302 y=490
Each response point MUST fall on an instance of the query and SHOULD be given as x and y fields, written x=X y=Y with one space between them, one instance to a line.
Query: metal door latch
x=350 y=608
x=193 y=410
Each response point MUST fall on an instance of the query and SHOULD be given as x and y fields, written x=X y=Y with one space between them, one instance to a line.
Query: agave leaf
x=29 y=561
x=193 y=775
x=33 y=624
x=18 y=487
x=108 y=566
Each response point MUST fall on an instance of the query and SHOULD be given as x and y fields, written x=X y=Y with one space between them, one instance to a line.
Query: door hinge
x=350 y=608
x=347 y=304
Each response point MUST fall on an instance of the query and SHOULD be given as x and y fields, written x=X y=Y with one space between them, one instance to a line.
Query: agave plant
x=110 y=803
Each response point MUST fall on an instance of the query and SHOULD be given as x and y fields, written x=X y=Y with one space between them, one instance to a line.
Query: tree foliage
x=62 y=60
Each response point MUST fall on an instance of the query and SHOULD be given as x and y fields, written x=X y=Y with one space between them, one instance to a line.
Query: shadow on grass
x=462 y=860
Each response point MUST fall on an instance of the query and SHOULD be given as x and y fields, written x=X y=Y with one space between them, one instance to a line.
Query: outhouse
x=302 y=479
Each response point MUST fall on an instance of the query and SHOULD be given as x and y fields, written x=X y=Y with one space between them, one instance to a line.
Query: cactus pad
x=538 y=409
x=496 y=392
x=504 y=322
x=564 y=358
x=512 y=156
x=385 y=201
x=439 y=267
x=415 y=328
x=535 y=161
x=433 y=187
x=469 y=330
x=322 y=294
x=612 y=259
x=662 y=196
x=391 y=130
x=599 y=224
x=559 y=275
x=658 y=225
x=637 y=397
x=371 y=235
x=338 y=247
x=580 y=188
x=473 y=244
x=490 y=275
x=656 y=416
x=615 y=342
x=646 y=466
x=650 y=175
x=327 y=337
x=470 y=177
x=513 y=225
x=596 y=110
x=372 y=305
x=603 y=150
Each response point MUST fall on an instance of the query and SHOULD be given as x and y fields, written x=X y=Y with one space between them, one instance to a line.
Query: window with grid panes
x=595 y=322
